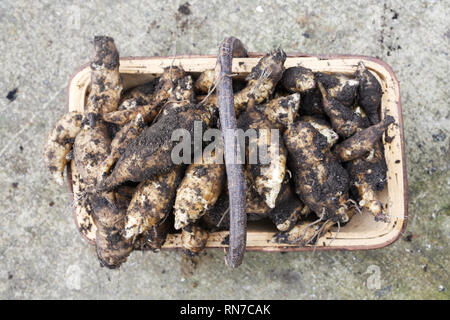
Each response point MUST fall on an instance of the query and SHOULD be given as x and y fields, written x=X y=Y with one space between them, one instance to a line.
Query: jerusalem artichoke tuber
x=59 y=143
x=369 y=92
x=321 y=182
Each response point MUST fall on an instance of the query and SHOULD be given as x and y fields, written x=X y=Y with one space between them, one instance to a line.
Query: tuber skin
x=218 y=218
x=194 y=239
x=369 y=93
x=167 y=82
x=320 y=181
x=343 y=120
x=152 y=202
x=205 y=81
x=112 y=248
x=183 y=93
x=59 y=143
x=312 y=103
x=91 y=148
x=255 y=204
x=323 y=127
x=268 y=177
x=339 y=87
x=198 y=192
x=155 y=237
x=282 y=111
x=83 y=212
x=121 y=140
x=288 y=209
x=106 y=82
x=298 y=79
x=139 y=95
x=362 y=142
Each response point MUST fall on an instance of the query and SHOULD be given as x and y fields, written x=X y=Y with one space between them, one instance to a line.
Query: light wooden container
x=362 y=232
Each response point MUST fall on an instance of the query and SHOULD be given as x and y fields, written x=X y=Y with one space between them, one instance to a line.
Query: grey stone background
x=42 y=44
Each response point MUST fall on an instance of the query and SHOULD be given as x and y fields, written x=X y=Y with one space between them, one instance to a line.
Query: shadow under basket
x=362 y=232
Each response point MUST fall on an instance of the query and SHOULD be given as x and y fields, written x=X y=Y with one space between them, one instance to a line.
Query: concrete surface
x=42 y=254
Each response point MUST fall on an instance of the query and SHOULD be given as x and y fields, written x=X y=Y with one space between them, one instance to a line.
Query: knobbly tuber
x=368 y=173
x=339 y=87
x=109 y=217
x=298 y=79
x=323 y=127
x=92 y=147
x=106 y=82
x=267 y=170
x=369 y=93
x=320 y=181
x=83 y=213
x=344 y=121
x=59 y=143
x=152 y=202
x=362 y=142
x=198 y=192
x=281 y=112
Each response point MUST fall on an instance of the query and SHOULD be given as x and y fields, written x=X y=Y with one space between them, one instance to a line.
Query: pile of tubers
x=129 y=194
